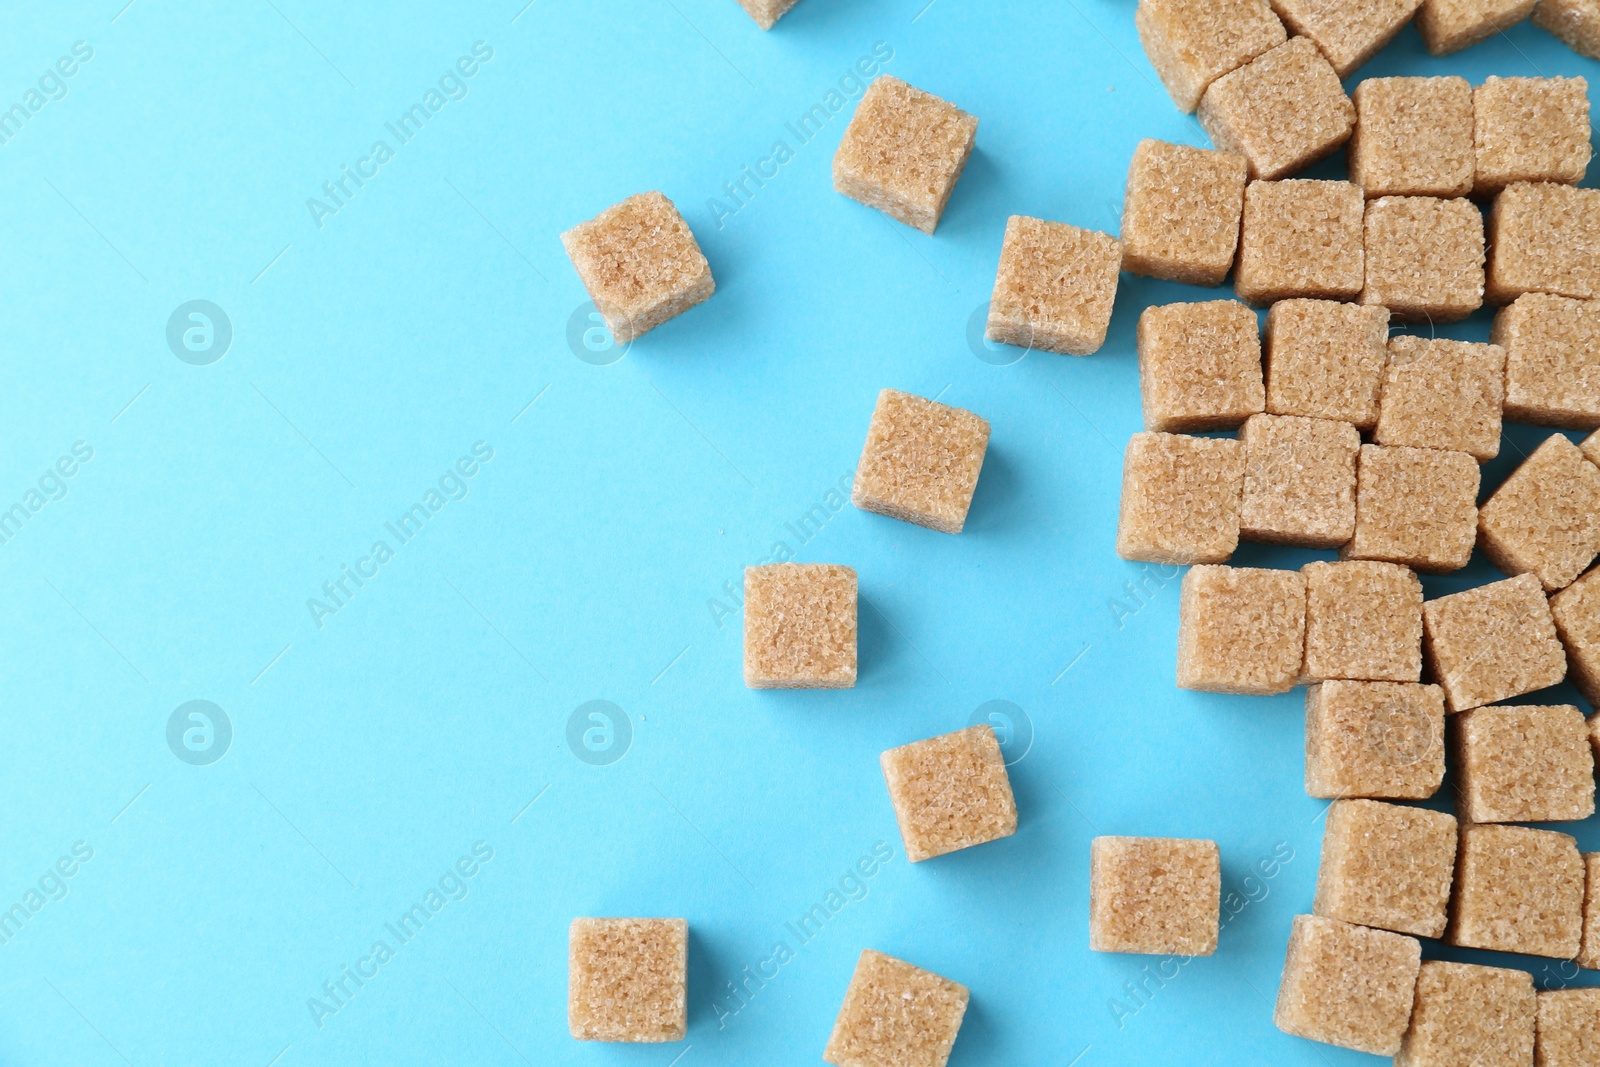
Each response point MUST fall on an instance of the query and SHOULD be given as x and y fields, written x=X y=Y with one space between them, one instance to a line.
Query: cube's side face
x=1348 y=986
x=640 y=264
x=1470 y=1014
x=800 y=626
x=896 y=1015
x=766 y=13
x=921 y=461
x=1348 y=35
x=1450 y=25
x=1589 y=948
x=627 y=979
x=950 y=792
x=903 y=152
x=1575 y=22
x=1154 y=896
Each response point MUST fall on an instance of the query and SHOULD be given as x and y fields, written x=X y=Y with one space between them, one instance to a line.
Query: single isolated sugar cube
x=1413 y=137
x=1363 y=622
x=1299 y=481
x=1349 y=32
x=1544 y=237
x=1569 y=1020
x=1282 y=111
x=1180 y=499
x=1300 y=238
x=1325 y=360
x=1374 y=739
x=1192 y=43
x=1199 y=366
x=903 y=151
x=1576 y=23
x=1530 y=130
x=1576 y=611
x=1552 y=348
x=1180 y=218
x=1241 y=630
x=1491 y=643
x=1347 y=985
x=1544 y=520
x=950 y=792
x=1054 y=287
x=1470 y=1015
x=1589 y=949
x=1154 y=895
x=766 y=12
x=1387 y=866
x=1416 y=506
x=1424 y=257
x=1517 y=890
x=799 y=626
x=921 y=461
x=896 y=1015
x=640 y=264
x=627 y=979
x=1451 y=25
x=1439 y=393
x=1523 y=764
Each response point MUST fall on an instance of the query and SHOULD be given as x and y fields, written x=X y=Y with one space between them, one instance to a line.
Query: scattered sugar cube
x=627 y=979
x=1349 y=32
x=1445 y=394
x=1180 y=218
x=1576 y=611
x=1192 y=43
x=1424 y=257
x=1282 y=111
x=1530 y=130
x=1300 y=238
x=1180 y=499
x=1374 y=739
x=1545 y=519
x=1552 y=348
x=1575 y=22
x=1517 y=890
x=1299 y=481
x=1543 y=238
x=1347 y=985
x=799 y=626
x=950 y=792
x=766 y=12
x=1416 y=506
x=1387 y=866
x=1154 y=895
x=1363 y=622
x=1569 y=1019
x=1451 y=25
x=1589 y=949
x=1523 y=764
x=921 y=461
x=1054 y=287
x=1413 y=137
x=1325 y=360
x=1200 y=366
x=896 y=1015
x=903 y=151
x=1470 y=1015
x=640 y=264
x=1241 y=630
x=1492 y=643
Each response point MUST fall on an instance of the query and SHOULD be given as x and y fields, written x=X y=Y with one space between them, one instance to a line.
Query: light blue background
x=587 y=557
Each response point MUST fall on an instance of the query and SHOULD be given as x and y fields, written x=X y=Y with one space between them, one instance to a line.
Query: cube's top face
x=1154 y=895
x=1442 y=394
x=800 y=625
x=1493 y=642
x=906 y=140
x=1552 y=348
x=1424 y=256
x=1057 y=277
x=1518 y=890
x=1349 y=32
x=1545 y=518
x=1184 y=177
x=1524 y=763
x=1191 y=43
x=1325 y=359
x=1413 y=137
x=635 y=254
x=1543 y=237
x=921 y=460
x=896 y=1015
x=627 y=979
x=950 y=792
x=1466 y=1013
x=1347 y=985
x=1283 y=111
x=1531 y=129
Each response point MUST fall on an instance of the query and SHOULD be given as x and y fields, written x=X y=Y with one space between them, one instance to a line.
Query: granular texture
x=1199 y=366
x=627 y=979
x=950 y=792
x=1569 y=1019
x=1589 y=950
x=903 y=151
x=1347 y=985
x=1552 y=348
x=1387 y=866
x=1424 y=257
x=1470 y=1015
x=766 y=12
x=1283 y=111
x=1180 y=218
x=896 y=1015
x=1591 y=447
x=1545 y=519
x=799 y=626
x=1445 y=394
x=1300 y=238
x=1191 y=43
x=1413 y=137
x=1451 y=25
x=1416 y=506
x=1530 y=130
x=1492 y=643
x=1325 y=360
x=1576 y=611
x=1523 y=764
x=1363 y=622
x=1544 y=237
x=1241 y=630
x=1576 y=22
x=640 y=264
x=1054 y=287
x=921 y=461
x=1158 y=895
x=1517 y=890
x=1374 y=739
x=1299 y=481
x=1349 y=32
x=1180 y=499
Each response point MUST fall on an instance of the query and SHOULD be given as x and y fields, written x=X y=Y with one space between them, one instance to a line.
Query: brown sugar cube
x=1416 y=506
x=1299 y=481
x=1424 y=257
x=1347 y=985
x=1523 y=764
x=766 y=12
x=1154 y=895
x=1576 y=23
x=1530 y=130
x=1445 y=394
x=903 y=151
x=1470 y=1015
x=1241 y=630
x=1591 y=447
x=896 y=1015
x=1180 y=499
x=640 y=264
x=1283 y=111
x=1589 y=949
x=1576 y=611
x=1545 y=519
x=799 y=626
x=1349 y=32
x=1413 y=137
x=1363 y=622
x=1199 y=366
x=1517 y=890
x=1387 y=866
x=1374 y=739
x=1054 y=287
x=1492 y=643
x=627 y=979
x=1544 y=237
x=1451 y=25
x=1300 y=238
x=1325 y=360
x=921 y=461
x=1569 y=1022
x=1180 y=218
x=1192 y=43
x=1552 y=348
x=950 y=792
